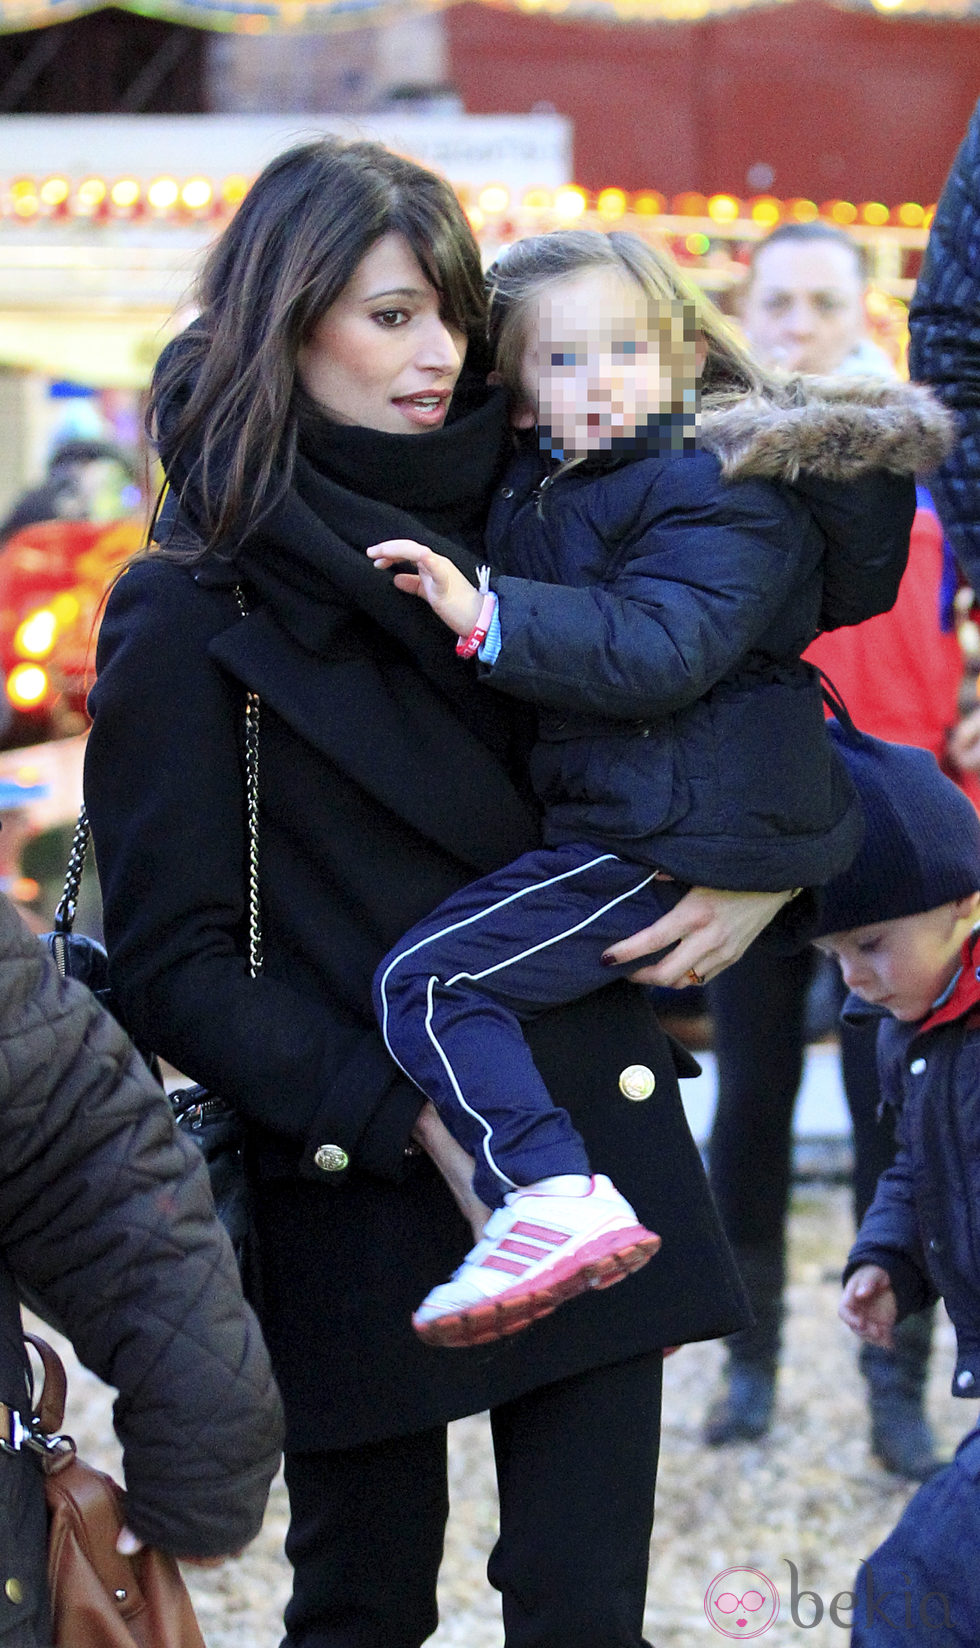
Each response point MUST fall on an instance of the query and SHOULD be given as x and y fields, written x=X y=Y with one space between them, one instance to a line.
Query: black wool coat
x=379 y=795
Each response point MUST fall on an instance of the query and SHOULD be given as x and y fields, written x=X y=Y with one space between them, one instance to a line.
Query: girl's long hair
x=221 y=403
x=525 y=268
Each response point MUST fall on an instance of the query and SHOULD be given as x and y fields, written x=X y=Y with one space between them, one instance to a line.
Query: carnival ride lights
x=52 y=578
x=163 y=197
x=90 y=196
x=27 y=686
x=125 y=193
x=29 y=683
x=35 y=637
x=163 y=194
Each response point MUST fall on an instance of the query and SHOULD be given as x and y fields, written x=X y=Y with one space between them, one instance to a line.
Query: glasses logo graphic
x=741 y=1603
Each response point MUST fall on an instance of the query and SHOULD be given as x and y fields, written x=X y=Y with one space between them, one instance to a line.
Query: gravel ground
x=809 y=1494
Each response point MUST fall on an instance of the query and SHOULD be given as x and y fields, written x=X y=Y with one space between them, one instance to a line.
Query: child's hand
x=450 y=595
x=869 y=1306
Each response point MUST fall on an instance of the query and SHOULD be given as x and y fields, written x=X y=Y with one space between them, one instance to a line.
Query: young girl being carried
x=655 y=578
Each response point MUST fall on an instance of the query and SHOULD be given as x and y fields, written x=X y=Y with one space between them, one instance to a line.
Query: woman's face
x=382 y=356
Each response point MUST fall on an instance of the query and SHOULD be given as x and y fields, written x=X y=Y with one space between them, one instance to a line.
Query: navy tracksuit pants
x=453 y=993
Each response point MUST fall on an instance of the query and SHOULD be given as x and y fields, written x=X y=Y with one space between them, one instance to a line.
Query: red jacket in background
x=900 y=673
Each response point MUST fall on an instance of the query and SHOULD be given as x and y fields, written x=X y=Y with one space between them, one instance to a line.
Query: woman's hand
x=869 y=1307
x=450 y=595
x=454 y=1165
x=708 y=928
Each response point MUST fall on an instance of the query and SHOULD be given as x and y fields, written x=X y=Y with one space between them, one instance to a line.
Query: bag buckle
x=20 y=1435
x=14 y=1434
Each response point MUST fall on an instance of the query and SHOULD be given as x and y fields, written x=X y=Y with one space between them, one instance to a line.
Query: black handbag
x=210 y=1121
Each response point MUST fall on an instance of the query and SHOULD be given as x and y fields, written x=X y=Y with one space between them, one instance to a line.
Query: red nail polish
x=608 y=960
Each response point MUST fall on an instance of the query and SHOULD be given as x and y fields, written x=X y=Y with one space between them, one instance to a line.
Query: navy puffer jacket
x=656 y=613
x=922 y=1225
x=944 y=349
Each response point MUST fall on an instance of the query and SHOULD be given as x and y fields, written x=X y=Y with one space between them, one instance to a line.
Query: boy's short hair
x=921 y=845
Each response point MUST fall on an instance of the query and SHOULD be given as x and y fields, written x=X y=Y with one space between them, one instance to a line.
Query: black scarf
x=304 y=564
x=352 y=487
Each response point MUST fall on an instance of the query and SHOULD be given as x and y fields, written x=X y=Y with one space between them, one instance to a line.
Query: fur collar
x=836 y=428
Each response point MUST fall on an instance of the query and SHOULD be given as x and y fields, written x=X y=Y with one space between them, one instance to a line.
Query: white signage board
x=520 y=151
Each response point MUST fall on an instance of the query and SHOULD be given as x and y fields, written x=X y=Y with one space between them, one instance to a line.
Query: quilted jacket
x=944 y=349
x=107 y=1229
x=658 y=614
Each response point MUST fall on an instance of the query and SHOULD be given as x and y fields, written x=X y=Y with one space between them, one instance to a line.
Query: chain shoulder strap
x=64 y=919
x=64 y=916
x=252 y=704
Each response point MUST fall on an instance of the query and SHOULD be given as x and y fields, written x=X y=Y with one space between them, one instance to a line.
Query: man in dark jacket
x=944 y=348
x=902 y=922
x=944 y=351
x=107 y=1228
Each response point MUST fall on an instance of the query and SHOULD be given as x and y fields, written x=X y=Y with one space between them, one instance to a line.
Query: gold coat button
x=13 y=1590
x=331 y=1158
x=637 y=1081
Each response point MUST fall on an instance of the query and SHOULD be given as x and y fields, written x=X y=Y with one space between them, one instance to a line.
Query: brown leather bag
x=100 y=1599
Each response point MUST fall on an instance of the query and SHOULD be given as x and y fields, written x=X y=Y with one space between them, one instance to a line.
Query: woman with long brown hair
x=332 y=394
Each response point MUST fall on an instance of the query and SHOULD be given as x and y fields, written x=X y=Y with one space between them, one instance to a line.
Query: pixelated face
x=383 y=356
x=903 y=965
x=804 y=306
x=598 y=365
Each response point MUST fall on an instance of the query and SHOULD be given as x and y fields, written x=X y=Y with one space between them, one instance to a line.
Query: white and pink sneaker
x=536 y=1251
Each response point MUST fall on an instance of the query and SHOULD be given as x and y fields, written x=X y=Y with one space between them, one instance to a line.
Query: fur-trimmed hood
x=835 y=428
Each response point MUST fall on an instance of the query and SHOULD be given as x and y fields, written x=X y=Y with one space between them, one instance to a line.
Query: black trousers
x=576 y=1471
x=758 y=1009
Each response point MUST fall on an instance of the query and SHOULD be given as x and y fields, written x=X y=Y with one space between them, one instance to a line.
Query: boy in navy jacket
x=902 y=922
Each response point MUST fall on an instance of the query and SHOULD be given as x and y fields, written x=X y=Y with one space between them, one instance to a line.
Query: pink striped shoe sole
x=598 y=1264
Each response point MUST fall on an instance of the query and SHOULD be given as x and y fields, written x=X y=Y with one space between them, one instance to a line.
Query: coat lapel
x=398 y=739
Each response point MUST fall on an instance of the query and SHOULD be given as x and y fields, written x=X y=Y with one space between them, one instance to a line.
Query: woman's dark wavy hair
x=221 y=405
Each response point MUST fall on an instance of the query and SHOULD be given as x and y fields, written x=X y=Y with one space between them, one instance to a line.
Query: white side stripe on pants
x=501 y=966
